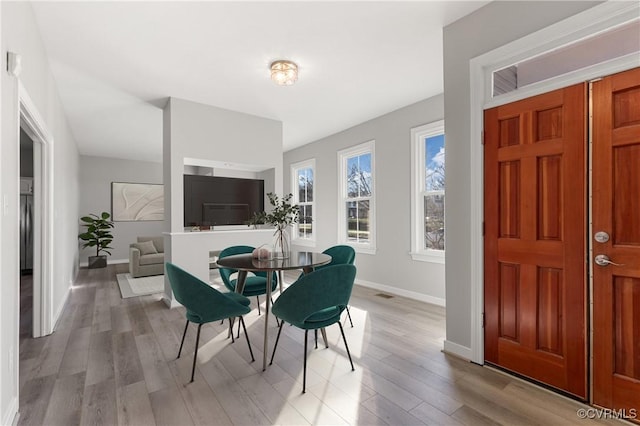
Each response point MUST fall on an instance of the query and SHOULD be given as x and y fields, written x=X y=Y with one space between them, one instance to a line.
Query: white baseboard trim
x=458 y=350
x=58 y=314
x=109 y=262
x=170 y=302
x=10 y=416
x=401 y=292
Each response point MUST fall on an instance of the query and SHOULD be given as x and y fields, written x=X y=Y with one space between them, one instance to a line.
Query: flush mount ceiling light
x=284 y=73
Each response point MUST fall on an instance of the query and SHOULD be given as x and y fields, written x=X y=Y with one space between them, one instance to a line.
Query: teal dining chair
x=205 y=304
x=316 y=300
x=340 y=255
x=253 y=285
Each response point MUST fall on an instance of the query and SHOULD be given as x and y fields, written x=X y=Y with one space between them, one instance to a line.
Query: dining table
x=244 y=263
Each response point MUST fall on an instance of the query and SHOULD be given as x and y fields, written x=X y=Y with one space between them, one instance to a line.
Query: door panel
x=535 y=222
x=616 y=210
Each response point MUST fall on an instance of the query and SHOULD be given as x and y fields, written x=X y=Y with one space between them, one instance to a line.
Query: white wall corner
x=10 y=417
x=58 y=313
x=457 y=350
x=402 y=292
x=170 y=302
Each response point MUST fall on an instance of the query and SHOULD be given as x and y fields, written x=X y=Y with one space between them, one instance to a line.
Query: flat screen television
x=217 y=201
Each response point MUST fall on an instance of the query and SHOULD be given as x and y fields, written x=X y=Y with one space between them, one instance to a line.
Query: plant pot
x=97 y=262
x=281 y=243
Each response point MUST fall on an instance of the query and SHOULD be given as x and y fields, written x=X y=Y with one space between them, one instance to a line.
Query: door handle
x=603 y=260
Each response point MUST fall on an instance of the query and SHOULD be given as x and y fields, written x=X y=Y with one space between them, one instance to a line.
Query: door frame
x=30 y=120
x=595 y=20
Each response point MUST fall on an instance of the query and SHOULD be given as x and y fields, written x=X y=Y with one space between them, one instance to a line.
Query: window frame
x=418 y=191
x=295 y=167
x=343 y=155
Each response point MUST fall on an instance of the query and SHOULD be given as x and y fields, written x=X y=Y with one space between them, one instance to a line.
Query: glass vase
x=281 y=243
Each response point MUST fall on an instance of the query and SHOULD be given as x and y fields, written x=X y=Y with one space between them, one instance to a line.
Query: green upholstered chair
x=340 y=255
x=253 y=285
x=316 y=300
x=205 y=304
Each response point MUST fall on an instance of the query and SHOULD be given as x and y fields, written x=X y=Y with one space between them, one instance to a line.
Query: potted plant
x=98 y=235
x=283 y=215
x=258 y=219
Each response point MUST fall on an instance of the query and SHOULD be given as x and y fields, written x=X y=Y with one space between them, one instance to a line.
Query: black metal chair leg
x=247 y=336
x=304 y=374
x=258 y=300
x=183 y=336
x=349 y=316
x=231 y=331
x=195 y=355
x=276 y=345
x=239 y=329
x=277 y=320
x=345 y=345
x=316 y=336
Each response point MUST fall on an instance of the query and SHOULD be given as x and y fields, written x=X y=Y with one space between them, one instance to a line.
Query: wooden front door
x=535 y=238
x=616 y=212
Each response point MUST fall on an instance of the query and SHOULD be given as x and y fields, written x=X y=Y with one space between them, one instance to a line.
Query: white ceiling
x=116 y=63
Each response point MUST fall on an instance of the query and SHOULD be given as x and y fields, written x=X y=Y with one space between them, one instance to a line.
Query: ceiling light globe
x=284 y=73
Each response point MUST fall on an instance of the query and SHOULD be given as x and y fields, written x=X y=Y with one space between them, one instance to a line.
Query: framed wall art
x=132 y=202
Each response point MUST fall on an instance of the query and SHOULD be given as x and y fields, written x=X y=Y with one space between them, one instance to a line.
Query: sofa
x=146 y=257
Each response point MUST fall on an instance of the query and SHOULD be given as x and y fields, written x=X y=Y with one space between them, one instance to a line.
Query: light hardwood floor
x=113 y=361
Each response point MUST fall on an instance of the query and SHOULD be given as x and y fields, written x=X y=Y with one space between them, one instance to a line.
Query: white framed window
x=302 y=186
x=428 y=192
x=356 y=197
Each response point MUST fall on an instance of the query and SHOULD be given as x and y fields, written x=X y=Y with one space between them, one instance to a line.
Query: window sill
x=363 y=250
x=431 y=257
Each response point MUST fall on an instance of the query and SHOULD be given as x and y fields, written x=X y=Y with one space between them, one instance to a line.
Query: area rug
x=132 y=287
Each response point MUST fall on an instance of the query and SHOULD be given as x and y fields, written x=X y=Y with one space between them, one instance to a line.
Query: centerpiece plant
x=282 y=215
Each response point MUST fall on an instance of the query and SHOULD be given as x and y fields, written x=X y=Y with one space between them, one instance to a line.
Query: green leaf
x=98 y=231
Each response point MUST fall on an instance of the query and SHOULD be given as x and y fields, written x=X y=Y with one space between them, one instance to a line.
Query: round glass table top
x=296 y=260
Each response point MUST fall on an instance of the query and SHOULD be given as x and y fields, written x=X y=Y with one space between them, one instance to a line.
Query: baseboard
x=109 y=262
x=10 y=416
x=170 y=302
x=61 y=308
x=457 y=350
x=401 y=292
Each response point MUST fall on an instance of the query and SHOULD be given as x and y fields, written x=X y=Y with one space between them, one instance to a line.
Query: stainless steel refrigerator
x=26 y=233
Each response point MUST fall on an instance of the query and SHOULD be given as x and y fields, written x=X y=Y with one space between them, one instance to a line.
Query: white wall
x=194 y=130
x=391 y=267
x=203 y=132
x=486 y=29
x=20 y=35
x=96 y=175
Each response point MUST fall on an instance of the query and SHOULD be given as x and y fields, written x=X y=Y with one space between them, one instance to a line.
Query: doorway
x=536 y=237
x=32 y=124
x=26 y=235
